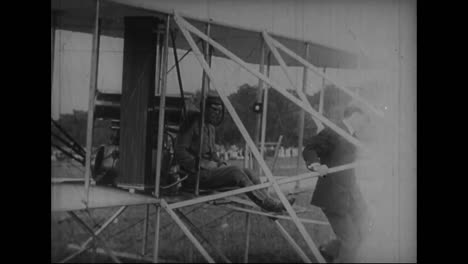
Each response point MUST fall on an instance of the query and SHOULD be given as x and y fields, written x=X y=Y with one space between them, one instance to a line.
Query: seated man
x=212 y=172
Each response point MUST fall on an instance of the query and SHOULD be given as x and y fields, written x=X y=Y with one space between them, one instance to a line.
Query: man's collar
x=348 y=126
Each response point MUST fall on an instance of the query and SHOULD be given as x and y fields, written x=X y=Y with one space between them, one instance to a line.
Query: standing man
x=338 y=194
x=213 y=171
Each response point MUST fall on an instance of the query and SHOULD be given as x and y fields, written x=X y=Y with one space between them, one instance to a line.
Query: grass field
x=220 y=226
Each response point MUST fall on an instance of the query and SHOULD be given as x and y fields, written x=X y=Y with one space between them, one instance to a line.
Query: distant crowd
x=233 y=152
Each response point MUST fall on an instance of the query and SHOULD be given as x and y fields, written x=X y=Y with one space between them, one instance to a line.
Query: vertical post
x=92 y=90
x=278 y=145
x=205 y=86
x=322 y=94
x=259 y=96
x=207 y=50
x=159 y=74
x=162 y=106
x=247 y=238
x=157 y=77
x=302 y=115
x=246 y=156
x=265 y=111
x=179 y=77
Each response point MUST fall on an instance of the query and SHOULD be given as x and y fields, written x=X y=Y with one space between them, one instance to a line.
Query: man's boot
x=261 y=197
x=277 y=206
x=268 y=203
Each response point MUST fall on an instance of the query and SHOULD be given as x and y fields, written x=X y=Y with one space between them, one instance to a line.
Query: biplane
x=147 y=124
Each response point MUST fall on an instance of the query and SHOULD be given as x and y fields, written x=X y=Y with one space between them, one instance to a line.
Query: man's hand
x=208 y=164
x=322 y=169
x=221 y=163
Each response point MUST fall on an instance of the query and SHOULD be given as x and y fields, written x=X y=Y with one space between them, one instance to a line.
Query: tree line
x=282 y=117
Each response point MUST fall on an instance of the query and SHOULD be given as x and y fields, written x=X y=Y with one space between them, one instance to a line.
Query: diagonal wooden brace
x=291 y=241
x=183 y=25
x=85 y=245
x=200 y=235
x=186 y=231
x=298 y=58
x=278 y=57
x=95 y=237
x=188 y=27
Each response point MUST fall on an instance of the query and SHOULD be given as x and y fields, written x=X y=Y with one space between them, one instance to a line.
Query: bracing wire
x=206 y=225
x=141 y=220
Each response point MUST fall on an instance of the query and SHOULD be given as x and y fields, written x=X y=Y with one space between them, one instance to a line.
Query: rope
x=175 y=183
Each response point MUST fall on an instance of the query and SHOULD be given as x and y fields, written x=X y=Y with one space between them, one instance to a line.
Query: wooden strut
x=184 y=26
x=322 y=94
x=92 y=90
x=200 y=235
x=301 y=94
x=298 y=58
x=186 y=231
x=280 y=89
x=205 y=86
x=260 y=89
x=95 y=237
x=250 y=211
x=179 y=77
x=275 y=158
x=291 y=241
x=264 y=113
x=305 y=176
x=116 y=253
x=162 y=104
x=202 y=226
x=85 y=245
x=301 y=121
